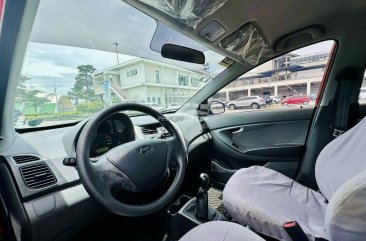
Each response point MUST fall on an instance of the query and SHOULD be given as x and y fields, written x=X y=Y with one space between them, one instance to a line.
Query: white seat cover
x=220 y=231
x=264 y=199
x=341 y=160
x=341 y=177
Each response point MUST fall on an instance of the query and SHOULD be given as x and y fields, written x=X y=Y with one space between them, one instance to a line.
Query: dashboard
x=114 y=131
x=64 y=196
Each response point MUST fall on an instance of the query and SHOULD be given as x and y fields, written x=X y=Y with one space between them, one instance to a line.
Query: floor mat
x=215 y=200
x=114 y=230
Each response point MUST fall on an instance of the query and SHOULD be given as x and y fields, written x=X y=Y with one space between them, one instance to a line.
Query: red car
x=296 y=99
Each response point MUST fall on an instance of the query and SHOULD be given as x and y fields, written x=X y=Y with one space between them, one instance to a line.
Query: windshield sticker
x=226 y=62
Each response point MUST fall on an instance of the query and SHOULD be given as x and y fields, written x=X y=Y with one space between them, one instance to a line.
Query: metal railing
x=121 y=93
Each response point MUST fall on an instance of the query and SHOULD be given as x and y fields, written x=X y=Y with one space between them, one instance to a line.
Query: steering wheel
x=136 y=166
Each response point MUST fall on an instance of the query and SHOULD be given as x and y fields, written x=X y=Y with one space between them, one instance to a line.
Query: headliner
x=276 y=19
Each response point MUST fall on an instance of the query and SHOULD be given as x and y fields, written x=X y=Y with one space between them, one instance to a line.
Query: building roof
x=291 y=68
x=140 y=60
x=310 y=55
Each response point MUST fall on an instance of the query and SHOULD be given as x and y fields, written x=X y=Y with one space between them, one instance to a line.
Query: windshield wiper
x=168 y=111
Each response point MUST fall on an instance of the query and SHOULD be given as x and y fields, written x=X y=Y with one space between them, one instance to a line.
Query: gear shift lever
x=202 y=197
x=204 y=182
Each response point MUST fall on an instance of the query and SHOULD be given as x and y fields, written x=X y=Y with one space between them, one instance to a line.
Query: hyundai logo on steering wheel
x=145 y=150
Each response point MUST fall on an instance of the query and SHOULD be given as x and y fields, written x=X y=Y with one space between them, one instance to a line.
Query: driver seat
x=264 y=199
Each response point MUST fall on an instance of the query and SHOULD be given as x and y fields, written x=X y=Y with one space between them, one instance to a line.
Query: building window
x=195 y=82
x=183 y=80
x=157 y=76
x=148 y=99
x=131 y=72
x=159 y=101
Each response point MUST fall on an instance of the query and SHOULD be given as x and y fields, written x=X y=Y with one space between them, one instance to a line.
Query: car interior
x=203 y=170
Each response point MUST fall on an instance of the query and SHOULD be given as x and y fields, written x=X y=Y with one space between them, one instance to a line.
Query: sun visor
x=248 y=44
x=166 y=35
x=190 y=12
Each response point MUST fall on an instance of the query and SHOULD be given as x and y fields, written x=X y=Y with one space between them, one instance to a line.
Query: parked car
x=155 y=106
x=173 y=106
x=276 y=99
x=223 y=100
x=254 y=102
x=18 y=118
x=296 y=99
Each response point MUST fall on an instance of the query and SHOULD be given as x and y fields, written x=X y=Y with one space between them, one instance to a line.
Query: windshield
x=86 y=55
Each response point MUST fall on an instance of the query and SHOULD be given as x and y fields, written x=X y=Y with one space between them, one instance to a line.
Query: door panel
x=273 y=138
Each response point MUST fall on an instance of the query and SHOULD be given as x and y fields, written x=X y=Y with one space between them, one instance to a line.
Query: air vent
x=149 y=130
x=25 y=158
x=37 y=176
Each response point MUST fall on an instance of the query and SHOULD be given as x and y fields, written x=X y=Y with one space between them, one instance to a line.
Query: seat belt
x=342 y=107
x=295 y=232
x=348 y=87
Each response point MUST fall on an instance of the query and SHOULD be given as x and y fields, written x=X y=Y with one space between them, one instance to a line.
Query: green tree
x=83 y=87
x=75 y=94
x=21 y=92
x=32 y=97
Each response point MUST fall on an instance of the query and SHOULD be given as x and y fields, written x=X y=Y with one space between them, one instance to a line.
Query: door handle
x=237 y=130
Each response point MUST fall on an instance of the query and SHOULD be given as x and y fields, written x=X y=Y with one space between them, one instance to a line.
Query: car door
x=298 y=99
x=275 y=136
x=292 y=100
x=240 y=102
x=246 y=102
x=249 y=101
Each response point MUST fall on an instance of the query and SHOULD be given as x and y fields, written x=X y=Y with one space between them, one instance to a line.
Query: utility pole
x=206 y=68
x=55 y=90
x=116 y=44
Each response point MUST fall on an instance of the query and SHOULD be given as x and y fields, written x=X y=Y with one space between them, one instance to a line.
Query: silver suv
x=254 y=102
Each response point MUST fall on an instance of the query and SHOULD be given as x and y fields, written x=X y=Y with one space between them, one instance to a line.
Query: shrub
x=92 y=107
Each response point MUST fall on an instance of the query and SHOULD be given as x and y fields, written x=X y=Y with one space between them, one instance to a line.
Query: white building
x=143 y=80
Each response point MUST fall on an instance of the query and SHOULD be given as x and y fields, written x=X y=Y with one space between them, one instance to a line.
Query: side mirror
x=216 y=107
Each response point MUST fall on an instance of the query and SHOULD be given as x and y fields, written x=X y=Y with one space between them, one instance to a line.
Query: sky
x=70 y=33
x=48 y=65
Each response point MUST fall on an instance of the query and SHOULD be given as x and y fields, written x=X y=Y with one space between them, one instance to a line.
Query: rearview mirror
x=216 y=107
x=181 y=53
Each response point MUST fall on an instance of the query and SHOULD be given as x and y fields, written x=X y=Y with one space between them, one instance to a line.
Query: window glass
x=157 y=76
x=286 y=82
x=182 y=80
x=195 y=82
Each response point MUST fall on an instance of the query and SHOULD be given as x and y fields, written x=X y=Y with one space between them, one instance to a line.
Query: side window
x=288 y=81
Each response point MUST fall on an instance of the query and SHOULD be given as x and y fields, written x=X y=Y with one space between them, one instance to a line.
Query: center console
x=186 y=213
